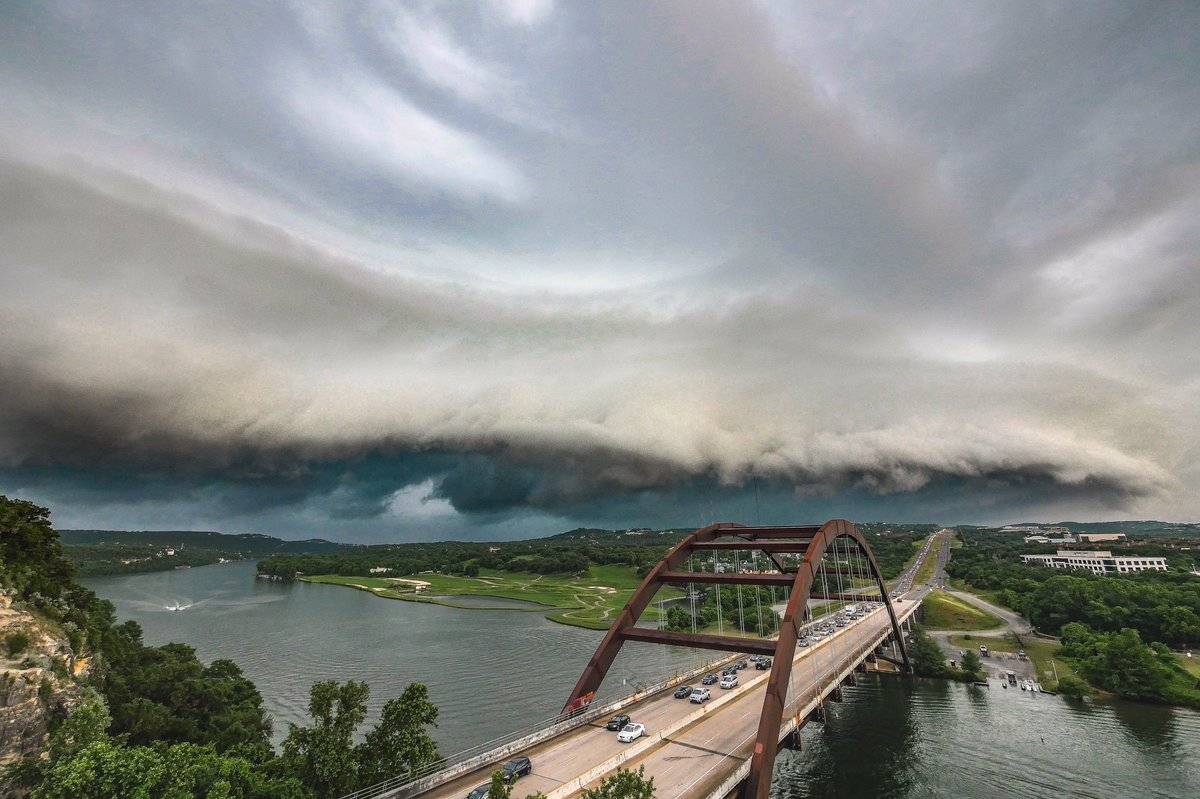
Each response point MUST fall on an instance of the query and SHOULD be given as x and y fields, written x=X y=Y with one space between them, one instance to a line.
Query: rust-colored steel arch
x=809 y=541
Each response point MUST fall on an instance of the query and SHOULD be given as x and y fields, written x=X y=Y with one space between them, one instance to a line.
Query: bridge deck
x=692 y=763
x=695 y=758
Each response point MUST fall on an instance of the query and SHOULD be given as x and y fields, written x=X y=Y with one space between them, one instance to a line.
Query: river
x=494 y=671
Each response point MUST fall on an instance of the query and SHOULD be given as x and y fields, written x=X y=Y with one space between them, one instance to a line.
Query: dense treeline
x=1122 y=664
x=160 y=724
x=741 y=607
x=95 y=552
x=569 y=553
x=1162 y=607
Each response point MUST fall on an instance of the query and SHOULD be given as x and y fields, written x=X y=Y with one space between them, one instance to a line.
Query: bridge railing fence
x=497 y=749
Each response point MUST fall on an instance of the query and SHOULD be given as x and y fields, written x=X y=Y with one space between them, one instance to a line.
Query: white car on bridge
x=631 y=732
x=729 y=681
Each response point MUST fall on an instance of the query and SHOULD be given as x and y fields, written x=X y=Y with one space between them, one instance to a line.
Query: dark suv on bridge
x=517 y=768
x=618 y=722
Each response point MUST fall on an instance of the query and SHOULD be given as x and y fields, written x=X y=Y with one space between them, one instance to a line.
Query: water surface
x=494 y=671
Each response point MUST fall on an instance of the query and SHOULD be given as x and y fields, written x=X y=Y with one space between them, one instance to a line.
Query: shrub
x=16 y=643
x=1072 y=686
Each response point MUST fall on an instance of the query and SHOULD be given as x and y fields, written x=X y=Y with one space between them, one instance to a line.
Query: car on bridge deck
x=709 y=679
x=631 y=732
x=700 y=696
x=729 y=681
x=762 y=664
x=617 y=722
x=481 y=792
x=517 y=768
x=683 y=692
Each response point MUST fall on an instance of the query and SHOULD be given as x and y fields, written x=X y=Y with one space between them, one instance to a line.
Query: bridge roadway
x=690 y=750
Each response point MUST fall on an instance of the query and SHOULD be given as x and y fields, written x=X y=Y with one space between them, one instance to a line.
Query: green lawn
x=946 y=612
x=1190 y=665
x=591 y=600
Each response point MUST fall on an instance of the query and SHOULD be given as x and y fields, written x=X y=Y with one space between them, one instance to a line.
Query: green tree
x=1072 y=686
x=925 y=655
x=499 y=787
x=86 y=726
x=400 y=743
x=972 y=665
x=31 y=557
x=166 y=695
x=106 y=770
x=323 y=755
x=625 y=784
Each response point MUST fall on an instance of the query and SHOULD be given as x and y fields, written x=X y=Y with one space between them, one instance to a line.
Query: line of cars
x=833 y=622
x=727 y=679
x=627 y=729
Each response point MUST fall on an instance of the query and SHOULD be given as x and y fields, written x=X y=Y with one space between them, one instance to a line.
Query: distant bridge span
x=726 y=747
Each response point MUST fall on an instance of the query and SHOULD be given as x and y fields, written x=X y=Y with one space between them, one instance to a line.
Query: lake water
x=496 y=671
x=491 y=671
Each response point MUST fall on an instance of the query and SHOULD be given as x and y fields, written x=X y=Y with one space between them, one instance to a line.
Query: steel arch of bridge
x=812 y=542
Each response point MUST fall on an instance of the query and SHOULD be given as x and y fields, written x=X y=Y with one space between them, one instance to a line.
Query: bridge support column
x=836 y=694
x=793 y=740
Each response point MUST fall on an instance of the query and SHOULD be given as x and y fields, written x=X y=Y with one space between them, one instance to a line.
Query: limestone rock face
x=35 y=685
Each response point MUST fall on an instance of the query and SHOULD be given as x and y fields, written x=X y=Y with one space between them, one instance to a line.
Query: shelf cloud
x=395 y=272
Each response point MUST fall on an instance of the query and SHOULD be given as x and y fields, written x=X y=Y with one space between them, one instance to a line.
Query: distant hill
x=1149 y=528
x=97 y=552
x=595 y=533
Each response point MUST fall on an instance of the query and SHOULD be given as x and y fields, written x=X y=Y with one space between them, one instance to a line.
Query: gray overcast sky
x=394 y=271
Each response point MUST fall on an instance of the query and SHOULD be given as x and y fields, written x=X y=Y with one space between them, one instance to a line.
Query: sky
x=383 y=271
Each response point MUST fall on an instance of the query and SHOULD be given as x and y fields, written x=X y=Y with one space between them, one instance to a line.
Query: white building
x=1043 y=539
x=1100 y=538
x=1097 y=562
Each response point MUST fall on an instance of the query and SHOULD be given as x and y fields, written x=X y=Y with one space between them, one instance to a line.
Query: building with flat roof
x=1097 y=562
x=1043 y=539
x=1100 y=538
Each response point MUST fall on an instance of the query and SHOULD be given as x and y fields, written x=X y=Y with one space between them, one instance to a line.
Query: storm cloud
x=392 y=268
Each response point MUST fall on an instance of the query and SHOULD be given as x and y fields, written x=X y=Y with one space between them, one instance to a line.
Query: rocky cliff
x=37 y=685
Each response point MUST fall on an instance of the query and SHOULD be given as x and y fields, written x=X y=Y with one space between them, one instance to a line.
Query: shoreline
x=557 y=613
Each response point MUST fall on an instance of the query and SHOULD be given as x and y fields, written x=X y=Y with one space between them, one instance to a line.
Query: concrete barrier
x=403 y=787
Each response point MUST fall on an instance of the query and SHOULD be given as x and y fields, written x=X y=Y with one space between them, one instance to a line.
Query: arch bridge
x=725 y=747
x=798 y=553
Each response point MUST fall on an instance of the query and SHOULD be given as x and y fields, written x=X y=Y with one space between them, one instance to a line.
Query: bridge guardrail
x=408 y=785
